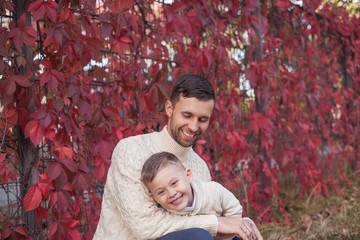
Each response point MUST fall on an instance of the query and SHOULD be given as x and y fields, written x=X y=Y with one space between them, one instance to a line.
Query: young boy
x=175 y=189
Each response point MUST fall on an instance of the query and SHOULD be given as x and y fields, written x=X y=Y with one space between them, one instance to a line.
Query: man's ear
x=168 y=108
x=189 y=175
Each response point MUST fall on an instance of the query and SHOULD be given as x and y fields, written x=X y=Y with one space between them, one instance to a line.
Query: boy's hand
x=239 y=226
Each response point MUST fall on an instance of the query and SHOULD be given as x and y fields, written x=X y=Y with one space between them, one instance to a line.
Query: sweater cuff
x=211 y=223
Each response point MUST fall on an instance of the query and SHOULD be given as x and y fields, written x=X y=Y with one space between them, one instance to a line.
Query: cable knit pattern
x=127 y=210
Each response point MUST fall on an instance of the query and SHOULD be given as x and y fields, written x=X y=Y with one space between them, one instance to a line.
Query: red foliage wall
x=78 y=76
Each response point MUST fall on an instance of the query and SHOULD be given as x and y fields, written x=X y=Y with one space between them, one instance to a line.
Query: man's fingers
x=249 y=230
x=257 y=234
x=245 y=234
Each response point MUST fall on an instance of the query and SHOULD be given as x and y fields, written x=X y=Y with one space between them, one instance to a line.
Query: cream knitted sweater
x=127 y=211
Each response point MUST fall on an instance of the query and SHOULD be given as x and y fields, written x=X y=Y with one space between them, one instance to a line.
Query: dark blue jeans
x=191 y=234
x=188 y=234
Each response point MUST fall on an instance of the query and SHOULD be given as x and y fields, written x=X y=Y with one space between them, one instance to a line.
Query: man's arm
x=137 y=209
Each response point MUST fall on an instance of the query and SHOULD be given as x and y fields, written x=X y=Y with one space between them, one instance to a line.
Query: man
x=127 y=210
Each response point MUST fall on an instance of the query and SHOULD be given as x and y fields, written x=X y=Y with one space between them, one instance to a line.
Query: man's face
x=188 y=119
x=171 y=188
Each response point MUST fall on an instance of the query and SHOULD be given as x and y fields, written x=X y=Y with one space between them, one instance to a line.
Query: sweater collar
x=166 y=143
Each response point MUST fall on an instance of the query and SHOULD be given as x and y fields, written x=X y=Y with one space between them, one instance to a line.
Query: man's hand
x=239 y=226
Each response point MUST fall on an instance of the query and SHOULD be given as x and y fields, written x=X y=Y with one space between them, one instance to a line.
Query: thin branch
x=3 y=138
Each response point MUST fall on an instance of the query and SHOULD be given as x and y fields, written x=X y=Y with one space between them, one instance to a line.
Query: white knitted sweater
x=127 y=211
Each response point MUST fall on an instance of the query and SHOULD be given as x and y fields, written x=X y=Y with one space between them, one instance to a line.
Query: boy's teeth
x=177 y=200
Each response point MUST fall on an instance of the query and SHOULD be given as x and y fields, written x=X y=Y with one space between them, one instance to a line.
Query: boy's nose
x=172 y=192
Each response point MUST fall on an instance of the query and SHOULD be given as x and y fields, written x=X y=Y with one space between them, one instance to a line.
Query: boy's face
x=188 y=119
x=171 y=188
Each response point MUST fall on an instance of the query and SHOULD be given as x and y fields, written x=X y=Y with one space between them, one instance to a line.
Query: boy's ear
x=152 y=196
x=189 y=175
x=168 y=108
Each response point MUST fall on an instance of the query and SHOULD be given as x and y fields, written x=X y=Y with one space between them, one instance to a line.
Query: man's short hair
x=190 y=85
x=156 y=162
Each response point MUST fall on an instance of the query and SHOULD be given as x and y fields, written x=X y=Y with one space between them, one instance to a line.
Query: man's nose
x=194 y=125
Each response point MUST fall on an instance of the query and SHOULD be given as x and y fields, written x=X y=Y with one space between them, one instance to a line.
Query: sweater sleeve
x=141 y=215
x=229 y=203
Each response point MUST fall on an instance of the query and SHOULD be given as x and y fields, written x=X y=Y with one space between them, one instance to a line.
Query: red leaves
x=41 y=212
x=22 y=80
x=104 y=146
x=18 y=233
x=53 y=78
x=54 y=170
x=81 y=181
x=87 y=24
x=258 y=73
x=39 y=8
x=104 y=115
x=10 y=116
x=53 y=228
x=85 y=108
x=64 y=152
x=259 y=121
x=6 y=170
x=2 y=157
x=55 y=35
x=120 y=46
x=43 y=125
x=22 y=35
x=34 y=130
x=101 y=169
x=312 y=5
x=64 y=228
x=176 y=23
x=126 y=4
x=32 y=198
x=60 y=191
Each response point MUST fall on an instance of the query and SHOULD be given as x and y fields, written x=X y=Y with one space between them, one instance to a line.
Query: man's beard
x=175 y=132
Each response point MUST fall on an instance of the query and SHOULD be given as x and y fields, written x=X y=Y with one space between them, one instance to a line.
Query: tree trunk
x=28 y=157
x=27 y=152
x=348 y=83
x=260 y=98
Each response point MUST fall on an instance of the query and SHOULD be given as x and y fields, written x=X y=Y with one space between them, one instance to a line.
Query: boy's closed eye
x=161 y=192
